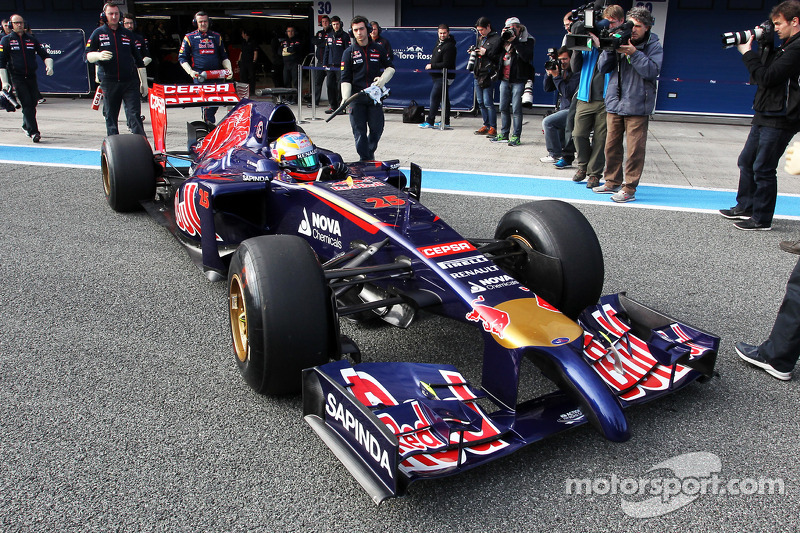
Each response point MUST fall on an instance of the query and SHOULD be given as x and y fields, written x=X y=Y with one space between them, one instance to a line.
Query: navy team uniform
x=18 y=56
x=119 y=78
x=360 y=65
x=204 y=51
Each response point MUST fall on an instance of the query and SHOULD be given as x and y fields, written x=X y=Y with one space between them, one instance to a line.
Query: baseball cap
x=512 y=20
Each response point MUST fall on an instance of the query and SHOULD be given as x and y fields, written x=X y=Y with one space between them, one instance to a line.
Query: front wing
x=394 y=423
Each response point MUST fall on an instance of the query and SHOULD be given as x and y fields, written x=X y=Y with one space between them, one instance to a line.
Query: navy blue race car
x=296 y=231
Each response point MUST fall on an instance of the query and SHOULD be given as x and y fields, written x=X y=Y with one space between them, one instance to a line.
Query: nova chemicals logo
x=321 y=228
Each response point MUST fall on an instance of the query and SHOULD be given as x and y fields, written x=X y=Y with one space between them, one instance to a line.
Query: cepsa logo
x=446 y=249
x=188 y=94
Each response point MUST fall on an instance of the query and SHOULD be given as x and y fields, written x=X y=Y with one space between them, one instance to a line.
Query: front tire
x=559 y=230
x=280 y=312
x=128 y=172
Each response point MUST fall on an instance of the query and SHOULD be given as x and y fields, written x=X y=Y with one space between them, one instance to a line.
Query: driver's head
x=295 y=152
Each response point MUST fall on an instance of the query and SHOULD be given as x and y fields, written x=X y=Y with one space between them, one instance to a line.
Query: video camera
x=587 y=20
x=763 y=33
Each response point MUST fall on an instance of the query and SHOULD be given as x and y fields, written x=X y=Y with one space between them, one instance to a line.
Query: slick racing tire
x=280 y=311
x=128 y=171
x=559 y=230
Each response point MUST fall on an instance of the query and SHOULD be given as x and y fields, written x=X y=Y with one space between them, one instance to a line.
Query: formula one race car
x=297 y=232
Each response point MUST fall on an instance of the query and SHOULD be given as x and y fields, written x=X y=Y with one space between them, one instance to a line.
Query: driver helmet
x=295 y=152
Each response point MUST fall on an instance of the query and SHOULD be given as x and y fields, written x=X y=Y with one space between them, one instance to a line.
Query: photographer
x=515 y=70
x=487 y=57
x=630 y=99
x=590 y=110
x=559 y=78
x=442 y=57
x=776 y=119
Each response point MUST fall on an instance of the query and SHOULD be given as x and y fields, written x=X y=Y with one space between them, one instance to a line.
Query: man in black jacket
x=776 y=120
x=487 y=49
x=338 y=42
x=443 y=56
x=18 y=56
x=515 y=69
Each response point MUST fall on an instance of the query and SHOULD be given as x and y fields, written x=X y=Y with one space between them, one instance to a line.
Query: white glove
x=191 y=72
x=143 y=82
x=147 y=60
x=226 y=64
x=792 y=158
x=48 y=66
x=94 y=57
x=347 y=90
x=4 y=79
x=384 y=78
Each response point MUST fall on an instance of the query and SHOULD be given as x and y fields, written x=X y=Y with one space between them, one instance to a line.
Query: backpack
x=414 y=113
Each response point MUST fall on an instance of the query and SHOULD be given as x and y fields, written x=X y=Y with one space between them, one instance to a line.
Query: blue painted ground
x=652 y=196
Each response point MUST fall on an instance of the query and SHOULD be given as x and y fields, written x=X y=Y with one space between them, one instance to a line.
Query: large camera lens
x=735 y=38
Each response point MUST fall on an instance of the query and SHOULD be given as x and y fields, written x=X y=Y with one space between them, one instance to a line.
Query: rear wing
x=162 y=97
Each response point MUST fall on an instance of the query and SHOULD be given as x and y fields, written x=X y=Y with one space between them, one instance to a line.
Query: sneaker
x=500 y=138
x=492 y=133
x=426 y=125
x=548 y=159
x=592 y=182
x=513 y=141
x=736 y=213
x=606 y=189
x=562 y=164
x=329 y=111
x=36 y=137
x=42 y=100
x=482 y=131
x=749 y=353
x=623 y=196
x=580 y=175
x=750 y=225
x=792 y=247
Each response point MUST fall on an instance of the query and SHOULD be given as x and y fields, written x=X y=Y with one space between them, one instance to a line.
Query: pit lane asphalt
x=121 y=407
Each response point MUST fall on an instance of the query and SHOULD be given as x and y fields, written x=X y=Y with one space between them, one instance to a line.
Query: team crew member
x=129 y=22
x=381 y=40
x=203 y=50
x=362 y=64
x=320 y=42
x=292 y=55
x=18 y=55
x=338 y=41
x=112 y=48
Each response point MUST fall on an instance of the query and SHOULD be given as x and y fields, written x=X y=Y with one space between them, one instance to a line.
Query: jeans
x=436 y=102
x=485 y=97
x=27 y=90
x=782 y=347
x=758 y=180
x=116 y=94
x=554 y=127
x=365 y=115
x=511 y=104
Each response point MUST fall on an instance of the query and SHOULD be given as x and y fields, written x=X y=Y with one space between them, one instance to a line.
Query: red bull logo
x=494 y=320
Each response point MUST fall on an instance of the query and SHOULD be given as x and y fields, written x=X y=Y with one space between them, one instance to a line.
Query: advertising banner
x=67 y=48
x=412 y=51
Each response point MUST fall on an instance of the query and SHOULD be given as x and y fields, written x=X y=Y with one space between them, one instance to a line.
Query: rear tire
x=559 y=230
x=280 y=311
x=128 y=172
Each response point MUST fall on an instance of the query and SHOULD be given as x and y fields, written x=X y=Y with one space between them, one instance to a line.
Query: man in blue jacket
x=338 y=42
x=630 y=100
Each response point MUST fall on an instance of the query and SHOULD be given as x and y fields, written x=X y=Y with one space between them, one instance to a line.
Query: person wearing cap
x=18 y=57
x=515 y=69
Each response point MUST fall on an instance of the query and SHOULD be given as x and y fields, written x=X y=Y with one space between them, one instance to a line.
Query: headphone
x=103 y=17
x=200 y=14
x=377 y=26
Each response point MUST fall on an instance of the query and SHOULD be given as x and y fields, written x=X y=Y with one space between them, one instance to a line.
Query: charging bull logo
x=494 y=320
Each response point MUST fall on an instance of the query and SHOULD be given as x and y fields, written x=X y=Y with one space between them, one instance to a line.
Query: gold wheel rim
x=106 y=179
x=522 y=240
x=238 y=316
